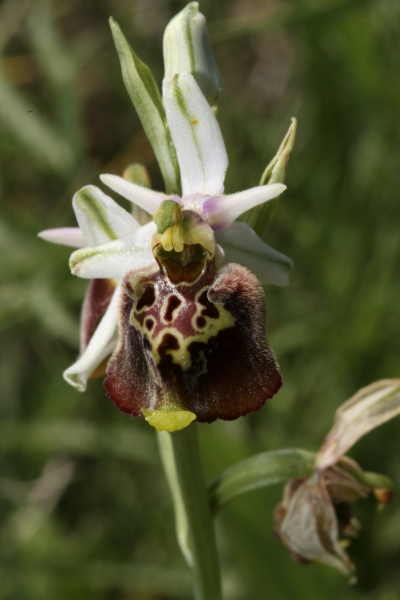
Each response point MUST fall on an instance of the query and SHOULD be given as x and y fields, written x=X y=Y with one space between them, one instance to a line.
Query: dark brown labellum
x=196 y=345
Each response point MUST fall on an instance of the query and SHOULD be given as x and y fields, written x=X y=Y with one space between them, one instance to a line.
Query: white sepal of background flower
x=306 y=521
x=369 y=408
x=309 y=513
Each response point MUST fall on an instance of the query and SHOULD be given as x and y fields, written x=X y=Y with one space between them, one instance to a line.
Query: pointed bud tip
x=187 y=49
x=113 y=23
x=74 y=381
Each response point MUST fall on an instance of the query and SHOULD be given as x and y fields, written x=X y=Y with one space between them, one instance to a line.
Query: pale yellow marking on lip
x=176 y=310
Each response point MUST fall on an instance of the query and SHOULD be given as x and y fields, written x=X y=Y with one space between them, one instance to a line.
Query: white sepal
x=147 y=199
x=65 y=236
x=115 y=259
x=100 y=346
x=100 y=218
x=242 y=245
x=197 y=137
x=369 y=408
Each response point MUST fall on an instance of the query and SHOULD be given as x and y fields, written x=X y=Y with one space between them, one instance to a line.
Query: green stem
x=195 y=530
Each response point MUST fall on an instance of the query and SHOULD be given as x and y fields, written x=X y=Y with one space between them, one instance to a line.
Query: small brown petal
x=342 y=486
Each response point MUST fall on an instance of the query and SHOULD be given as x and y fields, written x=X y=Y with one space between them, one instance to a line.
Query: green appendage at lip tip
x=168 y=420
x=97 y=213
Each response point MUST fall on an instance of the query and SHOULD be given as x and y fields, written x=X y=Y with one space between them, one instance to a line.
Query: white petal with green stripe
x=146 y=98
x=197 y=137
x=115 y=259
x=243 y=246
x=187 y=49
x=100 y=346
x=100 y=218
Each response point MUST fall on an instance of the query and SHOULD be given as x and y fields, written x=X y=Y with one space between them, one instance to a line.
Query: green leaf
x=146 y=98
x=275 y=171
x=259 y=471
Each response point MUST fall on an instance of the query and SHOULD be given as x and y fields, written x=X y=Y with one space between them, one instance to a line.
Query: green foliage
x=85 y=510
x=260 y=470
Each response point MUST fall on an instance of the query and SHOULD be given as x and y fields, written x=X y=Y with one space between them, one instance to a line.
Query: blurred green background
x=85 y=510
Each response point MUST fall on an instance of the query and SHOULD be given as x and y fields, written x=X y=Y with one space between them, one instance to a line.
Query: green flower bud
x=187 y=49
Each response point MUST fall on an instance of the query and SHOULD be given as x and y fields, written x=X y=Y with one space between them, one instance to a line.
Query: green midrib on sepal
x=190 y=14
x=96 y=212
x=180 y=100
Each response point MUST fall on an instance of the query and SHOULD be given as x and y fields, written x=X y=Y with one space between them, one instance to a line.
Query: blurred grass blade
x=146 y=98
x=59 y=68
x=259 y=471
x=11 y=14
x=44 y=305
x=30 y=128
x=77 y=438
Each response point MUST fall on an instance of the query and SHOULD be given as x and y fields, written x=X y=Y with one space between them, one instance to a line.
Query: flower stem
x=195 y=530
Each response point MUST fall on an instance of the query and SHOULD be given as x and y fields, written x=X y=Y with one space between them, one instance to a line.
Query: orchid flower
x=315 y=510
x=196 y=231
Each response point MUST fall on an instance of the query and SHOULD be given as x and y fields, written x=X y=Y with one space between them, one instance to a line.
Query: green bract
x=147 y=100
